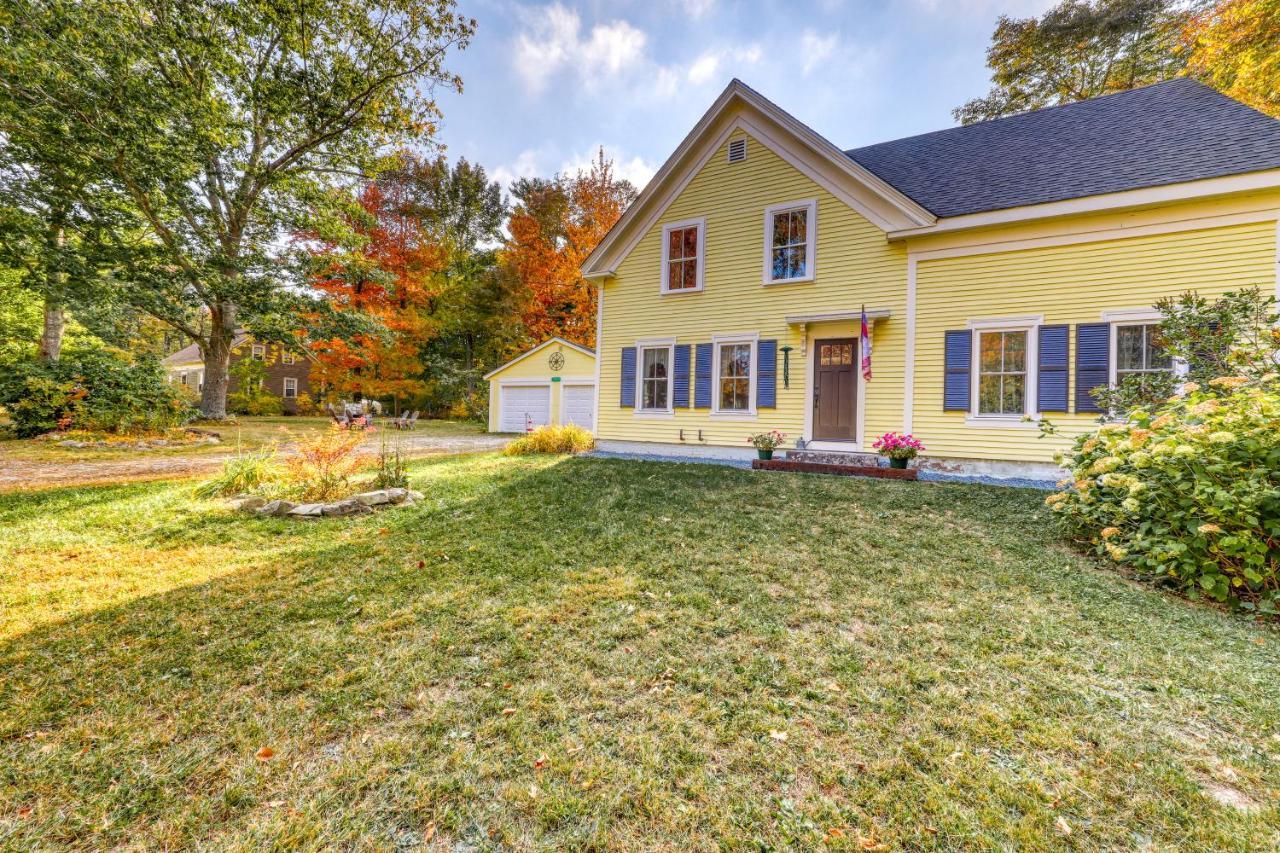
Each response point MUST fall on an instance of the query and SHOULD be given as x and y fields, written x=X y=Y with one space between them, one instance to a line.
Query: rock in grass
x=397 y=495
x=417 y=496
x=249 y=503
x=307 y=510
x=350 y=506
x=376 y=498
x=276 y=508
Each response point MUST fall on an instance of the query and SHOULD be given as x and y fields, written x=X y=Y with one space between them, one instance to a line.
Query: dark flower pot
x=900 y=464
x=764 y=454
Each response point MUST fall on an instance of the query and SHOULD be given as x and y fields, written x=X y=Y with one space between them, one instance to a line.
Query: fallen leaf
x=1062 y=826
x=265 y=754
x=430 y=832
x=835 y=832
x=26 y=811
x=422 y=564
x=540 y=763
x=777 y=735
x=507 y=712
x=533 y=792
x=275 y=804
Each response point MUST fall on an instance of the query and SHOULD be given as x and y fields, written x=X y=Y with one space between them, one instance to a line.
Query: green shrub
x=1188 y=494
x=253 y=472
x=251 y=396
x=97 y=390
x=553 y=439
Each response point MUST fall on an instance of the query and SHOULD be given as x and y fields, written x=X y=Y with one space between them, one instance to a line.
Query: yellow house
x=553 y=383
x=1005 y=269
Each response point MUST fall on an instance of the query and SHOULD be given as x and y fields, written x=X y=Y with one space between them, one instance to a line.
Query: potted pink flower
x=898 y=447
x=767 y=442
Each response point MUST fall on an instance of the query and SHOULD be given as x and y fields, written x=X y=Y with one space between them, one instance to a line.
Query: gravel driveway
x=24 y=474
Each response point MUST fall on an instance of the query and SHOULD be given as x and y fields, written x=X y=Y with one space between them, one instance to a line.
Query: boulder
x=307 y=509
x=276 y=508
x=397 y=495
x=70 y=442
x=417 y=496
x=350 y=506
x=249 y=503
x=376 y=498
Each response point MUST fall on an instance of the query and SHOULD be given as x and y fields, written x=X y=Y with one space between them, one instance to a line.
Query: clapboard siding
x=1067 y=284
x=854 y=264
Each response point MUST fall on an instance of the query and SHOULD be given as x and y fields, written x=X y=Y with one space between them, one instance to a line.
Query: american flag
x=865 y=339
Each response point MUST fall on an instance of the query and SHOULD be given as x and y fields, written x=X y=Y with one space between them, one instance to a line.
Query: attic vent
x=737 y=150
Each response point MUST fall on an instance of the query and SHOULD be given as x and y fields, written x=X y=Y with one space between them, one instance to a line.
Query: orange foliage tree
x=1234 y=45
x=554 y=225
x=393 y=280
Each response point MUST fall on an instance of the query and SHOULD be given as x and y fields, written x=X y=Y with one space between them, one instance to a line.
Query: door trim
x=860 y=394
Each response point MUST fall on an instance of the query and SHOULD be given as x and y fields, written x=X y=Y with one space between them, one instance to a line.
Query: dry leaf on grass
x=265 y=754
x=1062 y=826
x=777 y=735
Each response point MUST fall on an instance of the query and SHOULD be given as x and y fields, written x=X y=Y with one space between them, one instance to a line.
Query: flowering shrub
x=896 y=445
x=770 y=440
x=1187 y=493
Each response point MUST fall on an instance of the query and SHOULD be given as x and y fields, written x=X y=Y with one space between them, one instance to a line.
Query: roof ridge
x=1050 y=108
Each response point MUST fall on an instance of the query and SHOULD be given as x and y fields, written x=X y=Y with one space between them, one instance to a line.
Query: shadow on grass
x=745 y=591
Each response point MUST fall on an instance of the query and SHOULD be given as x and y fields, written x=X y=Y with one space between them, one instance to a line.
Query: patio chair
x=412 y=421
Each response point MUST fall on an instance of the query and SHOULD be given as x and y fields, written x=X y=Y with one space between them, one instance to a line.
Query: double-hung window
x=290 y=387
x=258 y=351
x=1002 y=373
x=789 y=232
x=1138 y=352
x=655 y=365
x=734 y=369
x=683 y=250
x=286 y=358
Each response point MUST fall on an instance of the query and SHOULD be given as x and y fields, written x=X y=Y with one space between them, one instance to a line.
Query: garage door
x=579 y=405
x=522 y=403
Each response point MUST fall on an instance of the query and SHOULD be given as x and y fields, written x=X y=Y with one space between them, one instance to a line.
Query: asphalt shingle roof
x=1165 y=133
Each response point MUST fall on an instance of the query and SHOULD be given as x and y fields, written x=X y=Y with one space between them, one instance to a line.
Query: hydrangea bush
x=1188 y=493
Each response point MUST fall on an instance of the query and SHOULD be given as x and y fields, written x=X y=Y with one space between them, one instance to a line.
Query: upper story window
x=1137 y=351
x=1002 y=373
x=286 y=358
x=259 y=352
x=655 y=364
x=683 y=248
x=789 y=232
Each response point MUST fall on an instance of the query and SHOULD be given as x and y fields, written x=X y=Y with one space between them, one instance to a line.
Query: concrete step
x=836 y=457
x=844 y=470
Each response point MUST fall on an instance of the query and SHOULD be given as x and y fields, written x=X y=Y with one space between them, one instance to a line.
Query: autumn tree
x=392 y=278
x=554 y=226
x=1234 y=46
x=225 y=126
x=1078 y=50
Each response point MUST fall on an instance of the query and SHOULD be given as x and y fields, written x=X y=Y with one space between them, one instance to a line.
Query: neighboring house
x=286 y=373
x=553 y=383
x=1006 y=267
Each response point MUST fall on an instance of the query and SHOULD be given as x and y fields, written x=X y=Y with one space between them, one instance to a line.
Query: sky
x=547 y=84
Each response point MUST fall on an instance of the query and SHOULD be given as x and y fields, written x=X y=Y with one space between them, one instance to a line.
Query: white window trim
x=258 y=351
x=811 y=241
x=1030 y=325
x=701 y=224
x=287 y=358
x=669 y=344
x=1131 y=317
x=718 y=340
x=284 y=389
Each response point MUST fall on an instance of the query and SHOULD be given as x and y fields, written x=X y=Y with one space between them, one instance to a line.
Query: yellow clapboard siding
x=854 y=265
x=1067 y=284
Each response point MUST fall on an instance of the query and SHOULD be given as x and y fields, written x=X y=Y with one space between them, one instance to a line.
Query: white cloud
x=696 y=8
x=525 y=166
x=633 y=168
x=704 y=68
x=816 y=49
x=554 y=43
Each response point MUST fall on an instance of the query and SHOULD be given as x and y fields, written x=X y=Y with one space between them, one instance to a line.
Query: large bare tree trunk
x=217 y=362
x=55 y=321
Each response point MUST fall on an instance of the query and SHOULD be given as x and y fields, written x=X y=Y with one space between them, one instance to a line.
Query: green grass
x=248 y=433
x=591 y=653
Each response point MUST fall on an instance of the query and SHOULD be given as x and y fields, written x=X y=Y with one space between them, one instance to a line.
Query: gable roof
x=741 y=109
x=548 y=342
x=1166 y=133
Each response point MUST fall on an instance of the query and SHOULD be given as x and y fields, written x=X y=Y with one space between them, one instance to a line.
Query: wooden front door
x=835 y=389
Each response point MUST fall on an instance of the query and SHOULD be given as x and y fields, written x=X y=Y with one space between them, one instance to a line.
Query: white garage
x=523 y=407
x=553 y=383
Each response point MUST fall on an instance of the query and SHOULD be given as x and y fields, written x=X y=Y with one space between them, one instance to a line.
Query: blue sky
x=547 y=83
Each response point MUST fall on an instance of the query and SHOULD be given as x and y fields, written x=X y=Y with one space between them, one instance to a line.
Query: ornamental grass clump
x=569 y=438
x=1187 y=493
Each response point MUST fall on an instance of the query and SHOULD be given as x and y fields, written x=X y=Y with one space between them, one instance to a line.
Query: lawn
x=596 y=653
x=247 y=433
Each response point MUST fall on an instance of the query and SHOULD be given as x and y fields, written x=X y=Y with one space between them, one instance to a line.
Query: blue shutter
x=628 y=383
x=702 y=377
x=1093 y=363
x=767 y=374
x=680 y=395
x=958 y=348
x=1055 y=368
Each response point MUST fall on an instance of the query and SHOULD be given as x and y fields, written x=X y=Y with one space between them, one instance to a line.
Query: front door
x=835 y=390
